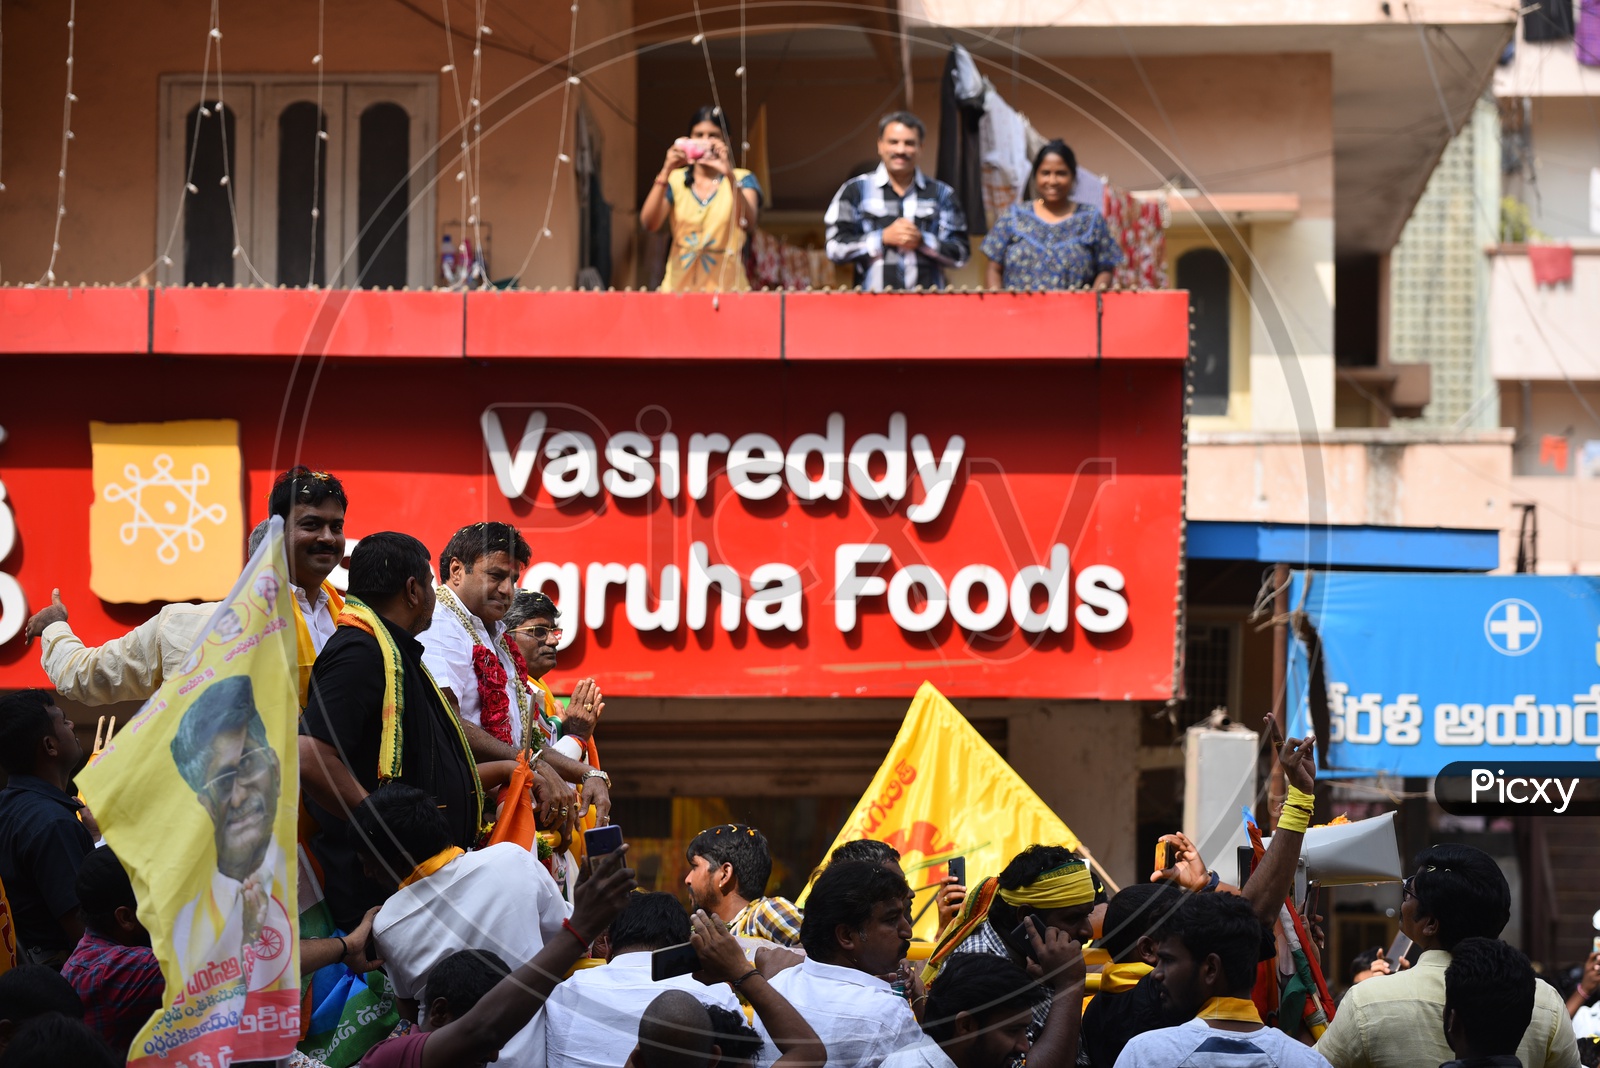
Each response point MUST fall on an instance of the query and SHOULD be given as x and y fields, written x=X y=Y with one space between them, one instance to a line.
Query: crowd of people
x=895 y=227
x=421 y=695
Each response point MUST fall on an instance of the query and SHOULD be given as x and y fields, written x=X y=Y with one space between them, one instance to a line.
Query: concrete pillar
x=1291 y=325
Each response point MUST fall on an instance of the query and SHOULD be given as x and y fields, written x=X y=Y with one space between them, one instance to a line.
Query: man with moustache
x=312 y=505
x=222 y=752
x=857 y=928
x=481 y=671
x=897 y=227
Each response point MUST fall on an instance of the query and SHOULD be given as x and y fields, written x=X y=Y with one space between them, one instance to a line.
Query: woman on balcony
x=712 y=206
x=1052 y=242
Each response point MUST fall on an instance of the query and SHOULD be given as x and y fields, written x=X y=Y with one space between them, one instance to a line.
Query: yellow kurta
x=707 y=246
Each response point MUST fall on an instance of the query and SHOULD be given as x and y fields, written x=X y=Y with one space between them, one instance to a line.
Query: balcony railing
x=388 y=324
x=1543 y=332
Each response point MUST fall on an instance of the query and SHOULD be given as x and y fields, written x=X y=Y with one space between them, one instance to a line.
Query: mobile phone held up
x=1020 y=935
x=598 y=841
x=675 y=960
x=1166 y=856
x=956 y=868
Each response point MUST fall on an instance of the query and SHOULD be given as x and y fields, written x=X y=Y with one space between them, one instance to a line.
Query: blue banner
x=1427 y=670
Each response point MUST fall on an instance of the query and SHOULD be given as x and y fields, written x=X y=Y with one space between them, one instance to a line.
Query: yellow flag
x=944 y=792
x=198 y=795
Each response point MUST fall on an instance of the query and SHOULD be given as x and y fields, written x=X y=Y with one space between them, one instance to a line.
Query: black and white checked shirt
x=867 y=204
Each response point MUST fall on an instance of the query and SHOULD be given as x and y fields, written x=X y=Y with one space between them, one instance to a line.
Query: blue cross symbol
x=1512 y=627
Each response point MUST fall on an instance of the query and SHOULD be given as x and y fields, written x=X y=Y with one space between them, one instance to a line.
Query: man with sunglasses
x=222 y=752
x=1457 y=892
x=533 y=623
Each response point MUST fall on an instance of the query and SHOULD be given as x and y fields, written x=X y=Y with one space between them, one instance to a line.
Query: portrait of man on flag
x=221 y=751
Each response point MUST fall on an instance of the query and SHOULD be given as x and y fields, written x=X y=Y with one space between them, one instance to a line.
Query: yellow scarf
x=432 y=864
x=1116 y=978
x=1059 y=888
x=304 y=649
x=391 y=738
x=1239 y=1010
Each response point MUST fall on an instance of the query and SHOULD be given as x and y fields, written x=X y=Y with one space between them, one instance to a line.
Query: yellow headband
x=1059 y=888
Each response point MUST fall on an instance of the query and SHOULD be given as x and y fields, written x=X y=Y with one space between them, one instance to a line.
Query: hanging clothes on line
x=961 y=95
x=1003 y=134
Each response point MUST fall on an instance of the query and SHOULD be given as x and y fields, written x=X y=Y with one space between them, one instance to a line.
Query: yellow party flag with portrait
x=198 y=796
x=944 y=792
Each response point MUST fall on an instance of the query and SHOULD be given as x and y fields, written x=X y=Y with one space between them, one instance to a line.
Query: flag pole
x=1095 y=864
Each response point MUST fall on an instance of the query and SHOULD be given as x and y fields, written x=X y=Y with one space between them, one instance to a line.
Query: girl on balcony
x=712 y=206
x=1052 y=242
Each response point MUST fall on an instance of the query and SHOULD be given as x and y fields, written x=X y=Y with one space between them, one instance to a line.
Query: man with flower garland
x=482 y=673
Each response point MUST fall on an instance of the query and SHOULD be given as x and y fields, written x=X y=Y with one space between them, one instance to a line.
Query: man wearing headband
x=1044 y=885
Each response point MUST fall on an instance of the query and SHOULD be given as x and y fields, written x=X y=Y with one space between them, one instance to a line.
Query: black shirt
x=42 y=843
x=1112 y=1020
x=345 y=709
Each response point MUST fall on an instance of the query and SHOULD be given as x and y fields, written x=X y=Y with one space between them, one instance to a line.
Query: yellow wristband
x=1300 y=798
x=1294 y=818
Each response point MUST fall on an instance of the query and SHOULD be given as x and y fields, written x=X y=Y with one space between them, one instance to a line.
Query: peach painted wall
x=109 y=233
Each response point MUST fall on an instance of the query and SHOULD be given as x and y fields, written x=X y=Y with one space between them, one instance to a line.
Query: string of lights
x=561 y=140
x=319 y=154
x=49 y=275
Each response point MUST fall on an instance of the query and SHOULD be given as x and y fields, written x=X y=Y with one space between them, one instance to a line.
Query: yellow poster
x=944 y=792
x=167 y=522
x=197 y=794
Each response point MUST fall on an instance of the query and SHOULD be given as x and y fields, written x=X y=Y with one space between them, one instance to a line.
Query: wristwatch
x=596 y=773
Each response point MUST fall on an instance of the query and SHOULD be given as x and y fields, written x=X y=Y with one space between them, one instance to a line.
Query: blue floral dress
x=1034 y=254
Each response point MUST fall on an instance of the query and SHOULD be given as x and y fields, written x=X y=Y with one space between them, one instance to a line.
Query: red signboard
x=742 y=528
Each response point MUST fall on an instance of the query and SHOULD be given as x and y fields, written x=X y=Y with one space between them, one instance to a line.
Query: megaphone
x=1345 y=854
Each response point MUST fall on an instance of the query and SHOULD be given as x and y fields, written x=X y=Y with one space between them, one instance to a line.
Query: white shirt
x=1198 y=1044
x=500 y=899
x=925 y=1054
x=319 y=620
x=857 y=1016
x=447 y=654
x=592 y=1018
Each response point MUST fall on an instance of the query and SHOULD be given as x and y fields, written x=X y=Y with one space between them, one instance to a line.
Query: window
x=309 y=196
x=1204 y=273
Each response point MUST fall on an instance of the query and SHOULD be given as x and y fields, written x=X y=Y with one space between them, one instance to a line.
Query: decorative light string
x=462 y=175
x=319 y=153
x=226 y=181
x=66 y=141
x=475 y=167
x=561 y=141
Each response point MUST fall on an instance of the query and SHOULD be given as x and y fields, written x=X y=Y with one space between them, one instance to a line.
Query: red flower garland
x=494 y=707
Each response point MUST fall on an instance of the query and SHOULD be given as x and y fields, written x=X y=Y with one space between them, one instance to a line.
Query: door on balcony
x=276 y=180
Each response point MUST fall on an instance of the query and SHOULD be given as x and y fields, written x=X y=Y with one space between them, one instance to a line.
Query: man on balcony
x=899 y=228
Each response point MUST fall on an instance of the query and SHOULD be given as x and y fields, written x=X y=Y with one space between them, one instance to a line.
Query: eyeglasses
x=542 y=635
x=252 y=762
x=1407 y=889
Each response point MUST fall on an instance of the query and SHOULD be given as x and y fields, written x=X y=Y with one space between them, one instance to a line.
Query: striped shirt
x=776 y=919
x=867 y=204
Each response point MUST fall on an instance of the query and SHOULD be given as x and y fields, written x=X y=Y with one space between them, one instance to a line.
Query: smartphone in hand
x=675 y=960
x=956 y=868
x=1028 y=926
x=598 y=841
